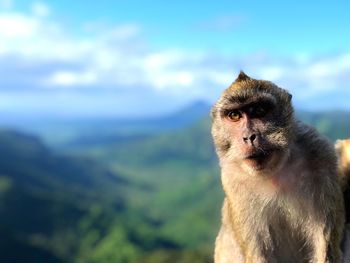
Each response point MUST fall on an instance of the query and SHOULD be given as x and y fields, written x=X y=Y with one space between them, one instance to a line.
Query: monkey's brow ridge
x=246 y=99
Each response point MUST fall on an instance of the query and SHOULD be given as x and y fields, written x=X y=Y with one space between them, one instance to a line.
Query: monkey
x=283 y=199
x=343 y=150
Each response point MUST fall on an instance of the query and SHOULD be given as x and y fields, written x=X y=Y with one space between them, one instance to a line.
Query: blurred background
x=105 y=147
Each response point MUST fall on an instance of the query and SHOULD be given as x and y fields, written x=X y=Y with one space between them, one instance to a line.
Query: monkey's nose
x=251 y=138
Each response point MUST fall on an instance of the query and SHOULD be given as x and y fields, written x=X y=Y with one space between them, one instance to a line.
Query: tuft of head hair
x=242 y=77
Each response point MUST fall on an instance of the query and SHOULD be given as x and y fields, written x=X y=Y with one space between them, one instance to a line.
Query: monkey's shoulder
x=315 y=148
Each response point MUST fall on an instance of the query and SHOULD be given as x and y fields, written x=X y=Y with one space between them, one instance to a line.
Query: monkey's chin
x=260 y=163
x=265 y=165
x=255 y=165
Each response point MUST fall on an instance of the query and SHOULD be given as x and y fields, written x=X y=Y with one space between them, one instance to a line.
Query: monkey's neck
x=286 y=176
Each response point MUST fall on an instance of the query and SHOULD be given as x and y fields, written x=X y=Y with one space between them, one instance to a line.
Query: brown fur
x=343 y=150
x=288 y=206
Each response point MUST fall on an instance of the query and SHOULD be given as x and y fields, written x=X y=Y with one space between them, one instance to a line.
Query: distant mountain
x=182 y=169
x=30 y=164
x=334 y=124
x=57 y=131
x=188 y=115
x=118 y=190
x=94 y=131
x=134 y=130
x=59 y=208
x=44 y=197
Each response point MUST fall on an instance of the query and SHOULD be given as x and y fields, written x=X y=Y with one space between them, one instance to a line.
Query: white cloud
x=160 y=60
x=17 y=27
x=272 y=72
x=220 y=78
x=119 y=56
x=25 y=36
x=68 y=78
x=173 y=79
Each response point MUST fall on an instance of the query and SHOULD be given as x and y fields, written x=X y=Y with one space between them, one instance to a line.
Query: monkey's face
x=251 y=124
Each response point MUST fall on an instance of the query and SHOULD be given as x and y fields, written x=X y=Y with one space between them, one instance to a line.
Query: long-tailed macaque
x=283 y=198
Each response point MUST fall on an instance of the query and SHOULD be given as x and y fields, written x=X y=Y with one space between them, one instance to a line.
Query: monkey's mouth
x=260 y=155
x=259 y=158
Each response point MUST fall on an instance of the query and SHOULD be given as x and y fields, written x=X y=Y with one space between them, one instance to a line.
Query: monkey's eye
x=259 y=111
x=234 y=115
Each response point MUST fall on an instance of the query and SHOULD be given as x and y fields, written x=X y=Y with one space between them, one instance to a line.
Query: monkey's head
x=252 y=124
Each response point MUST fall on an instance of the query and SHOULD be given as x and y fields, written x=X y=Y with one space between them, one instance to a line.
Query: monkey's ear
x=242 y=76
x=290 y=96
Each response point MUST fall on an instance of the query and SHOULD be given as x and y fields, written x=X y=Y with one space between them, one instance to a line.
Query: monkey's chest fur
x=272 y=218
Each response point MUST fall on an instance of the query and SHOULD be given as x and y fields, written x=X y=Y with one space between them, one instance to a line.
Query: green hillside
x=180 y=169
x=71 y=209
x=334 y=124
x=48 y=202
x=117 y=197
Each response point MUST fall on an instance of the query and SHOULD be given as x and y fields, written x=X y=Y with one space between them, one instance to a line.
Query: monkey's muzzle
x=259 y=158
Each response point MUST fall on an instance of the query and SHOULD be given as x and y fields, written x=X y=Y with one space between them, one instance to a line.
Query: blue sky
x=143 y=58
